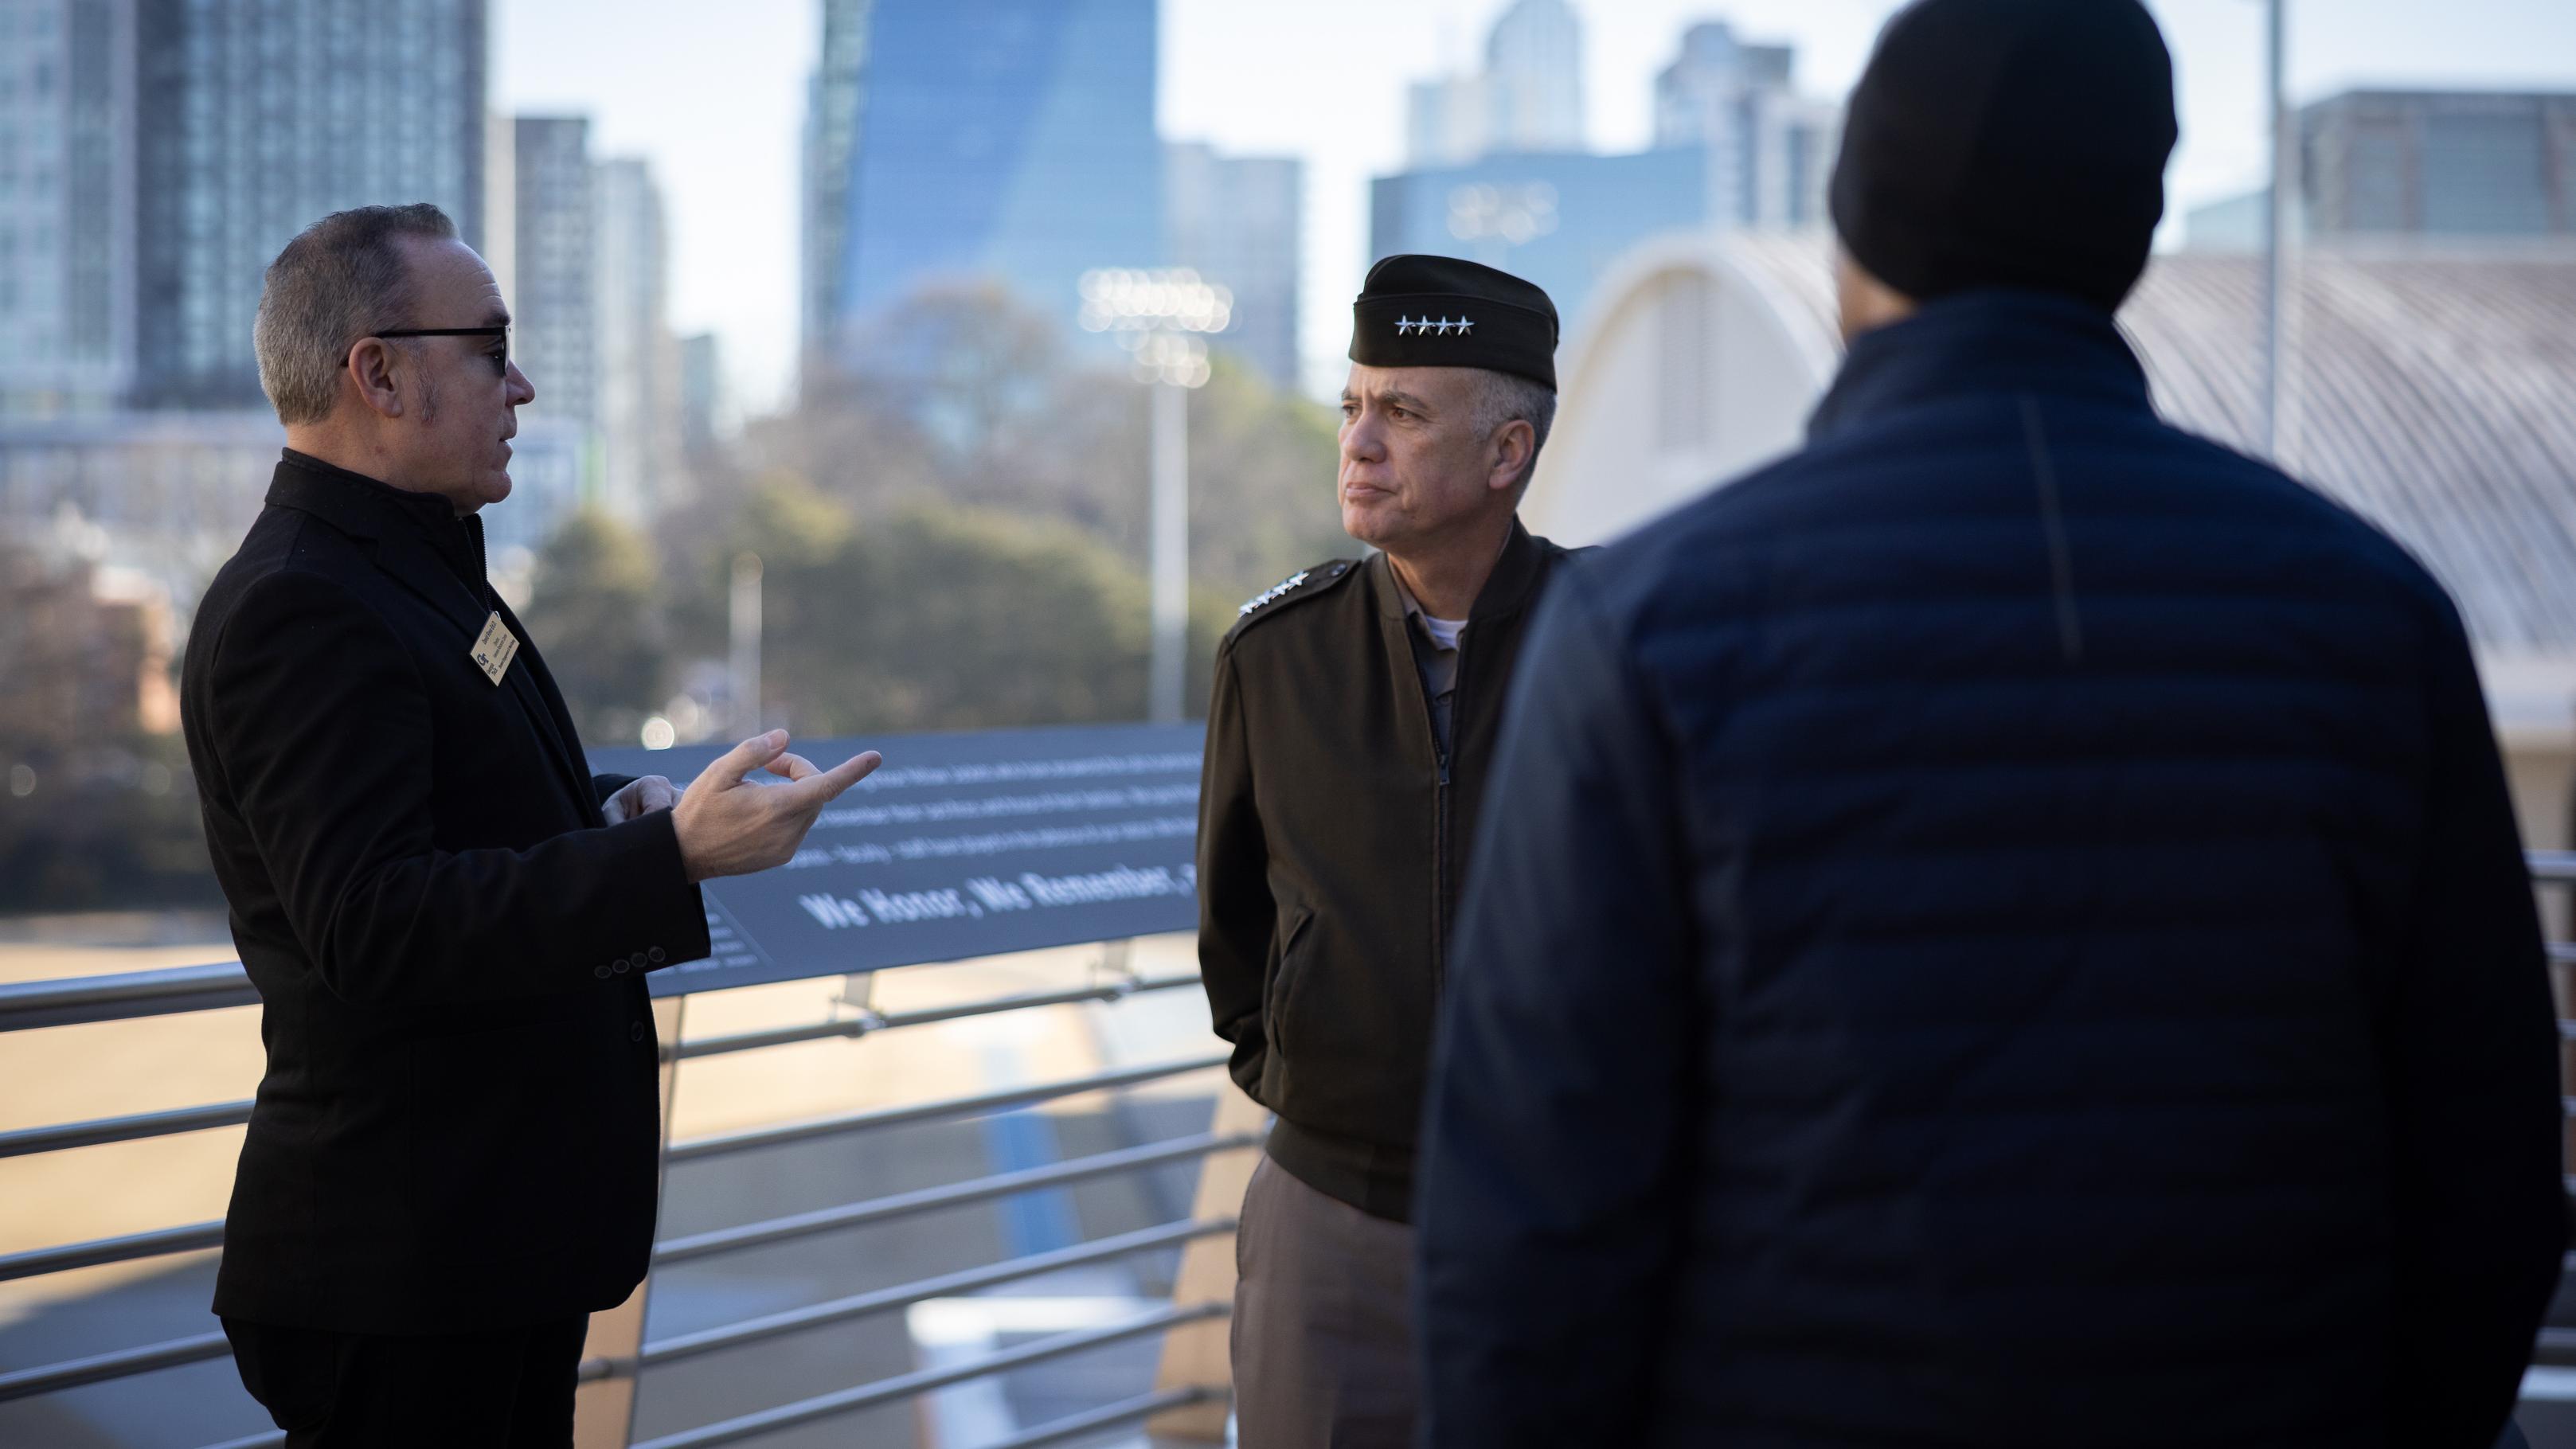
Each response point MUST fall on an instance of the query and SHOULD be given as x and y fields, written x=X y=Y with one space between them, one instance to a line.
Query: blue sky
x=718 y=107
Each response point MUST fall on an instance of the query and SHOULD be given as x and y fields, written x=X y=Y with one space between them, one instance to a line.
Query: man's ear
x=1513 y=443
x=375 y=371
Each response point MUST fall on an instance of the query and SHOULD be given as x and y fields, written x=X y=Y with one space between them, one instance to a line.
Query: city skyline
x=1328 y=83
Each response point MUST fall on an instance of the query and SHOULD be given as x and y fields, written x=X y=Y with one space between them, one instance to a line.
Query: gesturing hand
x=728 y=826
x=641 y=796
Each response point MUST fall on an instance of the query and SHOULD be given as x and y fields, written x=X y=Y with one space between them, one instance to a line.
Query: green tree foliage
x=936 y=617
x=1263 y=466
x=952 y=535
x=597 y=613
x=968 y=397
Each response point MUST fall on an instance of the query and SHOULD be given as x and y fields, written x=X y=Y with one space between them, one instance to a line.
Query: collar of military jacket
x=363 y=507
x=1506 y=588
x=1993 y=340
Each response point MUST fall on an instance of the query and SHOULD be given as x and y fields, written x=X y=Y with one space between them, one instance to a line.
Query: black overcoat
x=2007 y=930
x=458 y=1123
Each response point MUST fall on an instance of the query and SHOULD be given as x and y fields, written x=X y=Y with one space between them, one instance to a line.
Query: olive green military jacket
x=1332 y=851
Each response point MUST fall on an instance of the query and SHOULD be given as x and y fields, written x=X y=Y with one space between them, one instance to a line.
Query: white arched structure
x=2434 y=394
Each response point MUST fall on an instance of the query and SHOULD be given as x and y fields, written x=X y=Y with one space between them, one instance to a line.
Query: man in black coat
x=2007 y=928
x=450 y=1163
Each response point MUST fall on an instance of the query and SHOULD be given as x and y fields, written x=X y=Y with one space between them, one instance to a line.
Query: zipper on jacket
x=1439 y=796
x=1445 y=754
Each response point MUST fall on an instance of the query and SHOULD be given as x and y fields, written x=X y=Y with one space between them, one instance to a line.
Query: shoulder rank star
x=1273 y=593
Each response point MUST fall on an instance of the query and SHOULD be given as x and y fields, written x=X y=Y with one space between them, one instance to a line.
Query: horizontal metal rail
x=100 y=1367
x=2556 y=1348
x=1107 y=1416
x=195 y=1236
x=869 y=1023
x=123 y=1363
x=28 y=1004
x=901 y=1295
x=955 y=1194
x=91 y=1254
x=122 y=996
x=905 y=1386
x=704 y=1147
x=71 y=1001
x=140 y=1125
x=273 y=1439
x=122 y=1129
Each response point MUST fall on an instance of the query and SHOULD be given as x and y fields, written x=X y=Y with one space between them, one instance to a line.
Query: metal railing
x=32 y=1005
x=140 y=994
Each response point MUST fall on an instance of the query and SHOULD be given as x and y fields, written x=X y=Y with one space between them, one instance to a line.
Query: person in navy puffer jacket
x=2005 y=928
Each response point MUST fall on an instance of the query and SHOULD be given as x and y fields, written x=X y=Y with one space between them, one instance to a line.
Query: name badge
x=495 y=648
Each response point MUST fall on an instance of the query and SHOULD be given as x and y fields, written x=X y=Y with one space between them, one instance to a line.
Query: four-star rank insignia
x=1274 y=593
x=1443 y=326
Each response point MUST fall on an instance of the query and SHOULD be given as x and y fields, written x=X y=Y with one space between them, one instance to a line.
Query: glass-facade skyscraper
x=257 y=120
x=978 y=140
x=2441 y=163
x=1556 y=220
x=1237 y=221
x=66 y=205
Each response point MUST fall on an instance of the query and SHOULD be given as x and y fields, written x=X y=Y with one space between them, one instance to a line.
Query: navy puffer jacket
x=2006 y=929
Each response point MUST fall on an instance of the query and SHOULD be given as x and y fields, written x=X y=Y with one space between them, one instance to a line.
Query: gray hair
x=342 y=278
x=1503 y=397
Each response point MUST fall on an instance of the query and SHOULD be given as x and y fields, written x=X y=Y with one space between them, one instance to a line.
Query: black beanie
x=2011 y=143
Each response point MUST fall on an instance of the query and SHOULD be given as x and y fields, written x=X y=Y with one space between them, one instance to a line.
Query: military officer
x=1350 y=733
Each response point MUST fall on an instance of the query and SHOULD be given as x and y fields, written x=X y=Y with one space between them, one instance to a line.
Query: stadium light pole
x=1159 y=316
x=2279 y=225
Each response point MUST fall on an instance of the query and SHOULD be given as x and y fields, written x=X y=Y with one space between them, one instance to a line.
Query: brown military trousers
x=1322 y=1335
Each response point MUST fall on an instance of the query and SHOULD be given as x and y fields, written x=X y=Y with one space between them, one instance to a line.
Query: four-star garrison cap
x=1422 y=311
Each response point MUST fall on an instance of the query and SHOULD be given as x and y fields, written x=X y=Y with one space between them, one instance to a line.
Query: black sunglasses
x=500 y=360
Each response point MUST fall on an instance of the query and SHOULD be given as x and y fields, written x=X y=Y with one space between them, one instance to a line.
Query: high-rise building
x=66 y=204
x=1534 y=78
x=553 y=308
x=1735 y=146
x=637 y=421
x=1770 y=153
x=2436 y=166
x=703 y=403
x=1558 y=220
x=830 y=162
x=256 y=120
x=1445 y=121
x=1529 y=96
x=1238 y=221
x=1003 y=140
x=2441 y=163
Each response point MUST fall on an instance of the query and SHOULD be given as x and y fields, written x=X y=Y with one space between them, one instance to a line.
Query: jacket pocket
x=1283 y=980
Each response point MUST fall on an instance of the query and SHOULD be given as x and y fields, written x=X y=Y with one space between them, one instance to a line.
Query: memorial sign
x=959 y=845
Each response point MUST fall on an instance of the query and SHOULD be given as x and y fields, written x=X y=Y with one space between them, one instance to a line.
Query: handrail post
x=604 y=1410
x=1195 y=1355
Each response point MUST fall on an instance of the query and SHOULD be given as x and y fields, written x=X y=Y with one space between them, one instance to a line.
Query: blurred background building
x=2441 y=166
x=248 y=128
x=1027 y=157
x=1497 y=176
x=1528 y=97
x=67 y=234
x=1237 y=220
x=637 y=404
